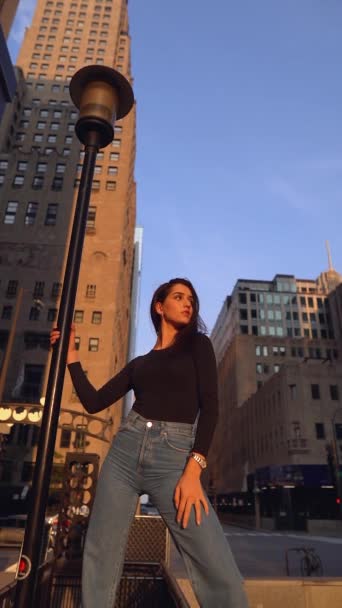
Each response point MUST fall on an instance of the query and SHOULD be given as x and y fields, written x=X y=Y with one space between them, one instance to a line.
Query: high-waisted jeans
x=149 y=458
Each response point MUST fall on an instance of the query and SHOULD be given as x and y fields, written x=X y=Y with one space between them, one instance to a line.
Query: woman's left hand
x=189 y=493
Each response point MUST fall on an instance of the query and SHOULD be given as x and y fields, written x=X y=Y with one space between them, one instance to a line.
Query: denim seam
x=173 y=447
x=116 y=582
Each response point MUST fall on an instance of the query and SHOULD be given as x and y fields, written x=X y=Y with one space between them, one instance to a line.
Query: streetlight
x=102 y=95
x=337 y=463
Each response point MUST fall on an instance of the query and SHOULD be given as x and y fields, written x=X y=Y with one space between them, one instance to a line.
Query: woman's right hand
x=72 y=352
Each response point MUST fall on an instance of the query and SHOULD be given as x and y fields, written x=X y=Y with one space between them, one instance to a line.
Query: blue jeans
x=150 y=459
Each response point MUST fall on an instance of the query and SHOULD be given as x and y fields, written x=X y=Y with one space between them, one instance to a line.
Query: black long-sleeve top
x=168 y=384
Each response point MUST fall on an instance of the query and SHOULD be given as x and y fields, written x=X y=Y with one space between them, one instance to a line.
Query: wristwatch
x=201 y=461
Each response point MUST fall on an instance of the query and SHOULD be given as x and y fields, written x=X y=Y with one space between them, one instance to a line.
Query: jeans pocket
x=179 y=442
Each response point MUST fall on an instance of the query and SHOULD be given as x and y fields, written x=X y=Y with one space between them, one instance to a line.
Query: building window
x=95 y=184
x=56 y=290
x=315 y=391
x=116 y=143
x=93 y=345
x=18 y=181
x=60 y=168
x=78 y=316
x=338 y=430
x=110 y=185
x=31 y=213
x=12 y=287
x=91 y=291
x=11 y=211
x=243 y=298
x=77 y=342
x=7 y=312
x=34 y=313
x=52 y=139
x=52 y=314
x=91 y=217
x=57 y=183
x=41 y=168
x=38 y=182
x=320 y=430
x=22 y=165
x=334 y=393
x=80 y=442
x=3 y=165
x=65 y=438
x=96 y=317
x=51 y=214
x=38 y=291
x=112 y=170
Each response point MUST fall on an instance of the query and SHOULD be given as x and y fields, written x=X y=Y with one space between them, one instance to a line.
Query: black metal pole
x=26 y=589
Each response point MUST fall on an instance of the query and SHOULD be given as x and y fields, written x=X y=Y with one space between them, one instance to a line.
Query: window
x=65 y=438
x=41 y=167
x=78 y=316
x=334 y=393
x=315 y=391
x=93 y=345
x=60 y=168
x=11 y=211
x=320 y=430
x=116 y=143
x=41 y=124
x=96 y=317
x=242 y=298
x=54 y=126
x=96 y=185
x=12 y=287
x=31 y=213
x=52 y=314
x=110 y=185
x=22 y=165
x=18 y=181
x=51 y=214
x=293 y=391
x=38 y=182
x=338 y=430
x=91 y=217
x=38 y=289
x=34 y=313
x=56 y=289
x=68 y=140
x=7 y=312
x=80 y=442
x=57 y=183
x=112 y=170
x=3 y=165
x=243 y=314
x=91 y=291
x=52 y=139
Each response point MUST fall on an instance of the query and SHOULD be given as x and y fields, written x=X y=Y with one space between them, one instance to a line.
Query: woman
x=159 y=450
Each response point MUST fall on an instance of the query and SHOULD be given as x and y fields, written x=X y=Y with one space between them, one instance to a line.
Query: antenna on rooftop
x=327 y=244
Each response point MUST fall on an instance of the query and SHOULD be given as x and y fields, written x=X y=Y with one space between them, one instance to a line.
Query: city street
x=262 y=554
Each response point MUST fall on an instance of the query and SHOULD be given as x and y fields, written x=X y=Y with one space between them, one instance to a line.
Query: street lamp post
x=102 y=96
x=337 y=463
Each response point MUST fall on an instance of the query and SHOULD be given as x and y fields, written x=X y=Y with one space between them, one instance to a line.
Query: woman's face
x=178 y=306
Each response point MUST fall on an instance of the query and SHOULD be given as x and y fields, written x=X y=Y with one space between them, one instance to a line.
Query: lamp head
x=102 y=96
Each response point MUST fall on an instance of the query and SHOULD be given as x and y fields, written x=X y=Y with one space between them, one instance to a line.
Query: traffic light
x=79 y=485
x=338 y=501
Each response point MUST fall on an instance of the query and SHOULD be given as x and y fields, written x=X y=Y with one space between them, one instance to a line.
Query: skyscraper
x=40 y=164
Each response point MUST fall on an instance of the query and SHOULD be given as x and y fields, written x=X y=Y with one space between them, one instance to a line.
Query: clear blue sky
x=239 y=141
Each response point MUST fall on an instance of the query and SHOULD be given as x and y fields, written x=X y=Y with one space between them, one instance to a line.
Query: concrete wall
x=283 y=593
